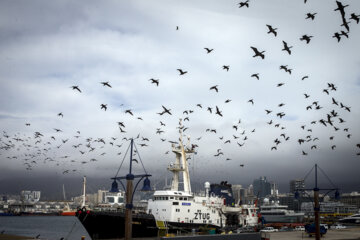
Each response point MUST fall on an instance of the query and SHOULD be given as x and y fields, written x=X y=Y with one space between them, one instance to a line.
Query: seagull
x=76 y=88
x=208 y=50
x=60 y=114
x=181 y=71
x=272 y=30
x=166 y=110
x=218 y=112
x=129 y=112
x=103 y=106
x=304 y=77
x=310 y=16
x=242 y=4
x=215 y=88
x=251 y=101
x=256 y=75
x=106 y=84
x=337 y=36
x=306 y=38
x=286 y=48
x=355 y=17
x=226 y=67
x=155 y=81
x=257 y=53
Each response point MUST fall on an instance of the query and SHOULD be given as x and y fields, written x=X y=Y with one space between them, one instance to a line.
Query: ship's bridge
x=172 y=195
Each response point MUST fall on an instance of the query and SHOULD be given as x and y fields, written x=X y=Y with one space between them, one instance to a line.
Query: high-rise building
x=297 y=185
x=30 y=196
x=262 y=187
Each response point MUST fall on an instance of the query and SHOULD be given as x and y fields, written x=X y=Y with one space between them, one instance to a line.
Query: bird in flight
x=306 y=38
x=106 y=84
x=257 y=53
x=76 y=88
x=166 y=110
x=251 y=101
x=286 y=48
x=256 y=75
x=60 y=114
x=218 y=112
x=271 y=30
x=181 y=71
x=355 y=17
x=103 y=106
x=208 y=50
x=310 y=16
x=226 y=67
x=215 y=88
x=242 y=4
x=154 y=81
x=129 y=112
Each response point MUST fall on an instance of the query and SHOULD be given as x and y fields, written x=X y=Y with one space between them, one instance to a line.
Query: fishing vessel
x=179 y=207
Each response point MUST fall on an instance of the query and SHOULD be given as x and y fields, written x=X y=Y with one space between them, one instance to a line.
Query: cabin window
x=166 y=198
x=164 y=210
x=198 y=211
x=204 y=221
x=185 y=198
x=175 y=203
x=188 y=210
x=180 y=198
x=177 y=210
x=171 y=197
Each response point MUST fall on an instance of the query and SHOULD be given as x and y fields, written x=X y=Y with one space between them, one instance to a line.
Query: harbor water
x=49 y=227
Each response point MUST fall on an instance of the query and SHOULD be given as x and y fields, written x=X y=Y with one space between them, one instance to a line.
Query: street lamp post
x=317 y=204
x=129 y=193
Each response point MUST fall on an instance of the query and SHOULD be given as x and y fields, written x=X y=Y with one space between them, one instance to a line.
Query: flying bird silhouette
x=242 y=4
x=154 y=81
x=181 y=71
x=76 y=88
x=306 y=38
x=208 y=50
x=257 y=53
x=310 y=16
x=286 y=47
x=106 y=84
x=271 y=30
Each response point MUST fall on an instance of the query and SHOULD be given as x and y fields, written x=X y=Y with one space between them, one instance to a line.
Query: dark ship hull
x=106 y=225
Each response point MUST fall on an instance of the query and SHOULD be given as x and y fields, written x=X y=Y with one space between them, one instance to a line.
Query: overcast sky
x=46 y=47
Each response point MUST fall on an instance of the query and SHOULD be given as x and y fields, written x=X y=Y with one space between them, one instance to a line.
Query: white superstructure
x=181 y=207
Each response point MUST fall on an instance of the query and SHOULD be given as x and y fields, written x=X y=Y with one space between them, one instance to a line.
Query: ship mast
x=84 y=193
x=181 y=164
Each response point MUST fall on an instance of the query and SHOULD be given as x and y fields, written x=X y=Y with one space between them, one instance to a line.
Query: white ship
x=273 y=212
x=175 y=208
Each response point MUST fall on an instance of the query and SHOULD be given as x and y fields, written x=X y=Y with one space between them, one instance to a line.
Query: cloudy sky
x=46 y=47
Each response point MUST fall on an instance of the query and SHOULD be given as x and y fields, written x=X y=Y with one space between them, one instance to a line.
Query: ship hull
x=111 y=225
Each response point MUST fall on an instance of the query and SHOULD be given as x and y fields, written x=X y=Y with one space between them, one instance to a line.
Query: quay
x=342 y=234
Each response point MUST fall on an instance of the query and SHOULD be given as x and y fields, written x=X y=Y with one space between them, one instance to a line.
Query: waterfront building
x=297 y=185
x=327 y=208
x=30 y=196
x=352 y=198
x=262 y=187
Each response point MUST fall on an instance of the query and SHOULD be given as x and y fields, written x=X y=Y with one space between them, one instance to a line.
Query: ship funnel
x=207 y=188
x=146 y=187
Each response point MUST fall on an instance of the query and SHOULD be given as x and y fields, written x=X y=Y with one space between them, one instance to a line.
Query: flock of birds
x=39 y=148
